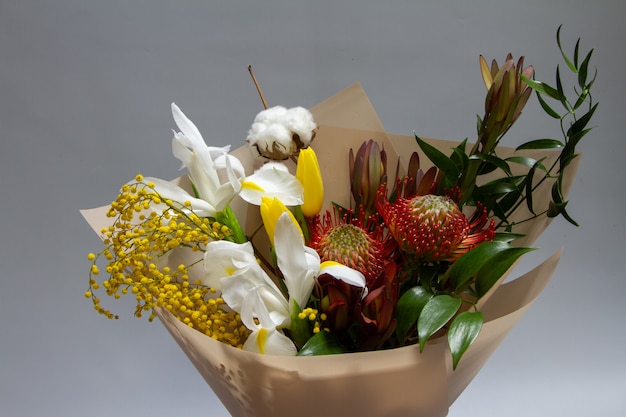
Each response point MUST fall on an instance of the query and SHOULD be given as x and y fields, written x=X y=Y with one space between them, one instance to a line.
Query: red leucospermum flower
x=433 y=228
x=357 y=241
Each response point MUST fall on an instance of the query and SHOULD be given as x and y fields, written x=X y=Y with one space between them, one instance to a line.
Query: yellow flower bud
x=271 y=209
x=309 y=175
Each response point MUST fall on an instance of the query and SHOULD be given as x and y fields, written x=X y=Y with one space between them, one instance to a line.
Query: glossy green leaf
x=322 y=343
x=528 y=162
x=470 y=263
x=439 y=159
x=435 y=314
x=529 y=188
x=542 y=88
x=507 y=237
x=497 y=188
x=541 y=144
x=409 y=307
x=463 y=331
x=493 y=160
x=496 y=266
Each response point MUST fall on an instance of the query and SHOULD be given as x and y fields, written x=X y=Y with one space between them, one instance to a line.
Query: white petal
x=265 y=338
x=272 y=180
x=186 y=126
x=298 y=266
x=223 y=259
x=168 y=190
x=344 y=273
x=270 y=342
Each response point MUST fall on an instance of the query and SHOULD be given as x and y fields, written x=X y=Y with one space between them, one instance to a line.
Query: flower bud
x=271 y=210
x=309 y=174
x=368 y=170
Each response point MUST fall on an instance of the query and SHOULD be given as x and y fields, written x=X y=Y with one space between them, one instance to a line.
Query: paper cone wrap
x=396 y=382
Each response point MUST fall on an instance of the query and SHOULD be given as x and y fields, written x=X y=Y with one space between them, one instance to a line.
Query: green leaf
x=542 y=88
x=471 y=262
x=549 y=110
x=507 y=237
x=496 y=266
x=493 y=160
x=497 y=188
x=528 y=162
x=459 y=157
x=572 y=66
x=541 y=144
x=300 y=329
x=529 y=187
x=559 y=88
x=228 y=218
x=439 y=159
x=464 y=329
x=322 y=343
x=581 y=123
x=409 y=307
x=435 y=314
x=582 y=71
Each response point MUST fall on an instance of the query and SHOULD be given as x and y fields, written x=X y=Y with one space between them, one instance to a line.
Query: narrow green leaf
x=460 y=158
x=527 y=162
x=435 y=314
x=493 y=160
x=582 y=71
x=549 y=110
x=463 y=331
x=541 y=144
x=496 y=188
x=559 y=88
x=529 y=188
x=322 y=343
x=542 y=88
x=409 y=307
x=565 y=58
x=441 y=161
x=581 y=123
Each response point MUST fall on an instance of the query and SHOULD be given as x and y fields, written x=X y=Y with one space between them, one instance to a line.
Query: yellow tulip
x=309 y=175
x=271 y=210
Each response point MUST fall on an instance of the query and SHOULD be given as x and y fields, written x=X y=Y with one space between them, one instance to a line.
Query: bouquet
x=326 y=260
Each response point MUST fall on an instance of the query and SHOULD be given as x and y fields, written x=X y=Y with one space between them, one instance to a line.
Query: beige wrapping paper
x=397 y=382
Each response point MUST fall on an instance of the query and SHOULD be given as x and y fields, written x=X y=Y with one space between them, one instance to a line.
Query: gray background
x=85 y=89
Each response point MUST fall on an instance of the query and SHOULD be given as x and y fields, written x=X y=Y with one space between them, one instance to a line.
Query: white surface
x=85 y=89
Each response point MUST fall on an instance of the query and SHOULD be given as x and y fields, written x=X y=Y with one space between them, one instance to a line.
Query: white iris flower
x=247 y=289
x=218 y=177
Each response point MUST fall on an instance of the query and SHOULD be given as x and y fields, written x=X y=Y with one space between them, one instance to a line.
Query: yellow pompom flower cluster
x=313 y=316
x=146 y=230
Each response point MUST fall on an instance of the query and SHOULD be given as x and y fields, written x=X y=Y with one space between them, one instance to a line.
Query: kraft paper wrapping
x=397 y=382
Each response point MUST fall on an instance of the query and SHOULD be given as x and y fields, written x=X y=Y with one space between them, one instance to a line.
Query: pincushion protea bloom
x=353 y=240
x=432 y=227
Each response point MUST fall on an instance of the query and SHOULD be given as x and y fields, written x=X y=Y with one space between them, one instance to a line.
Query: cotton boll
x=278 y=133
